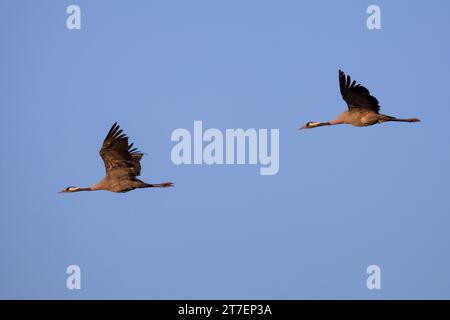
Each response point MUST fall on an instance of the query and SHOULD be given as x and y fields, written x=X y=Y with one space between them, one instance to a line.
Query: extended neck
x=312 y=124
x=319 y=124
x=83 y=189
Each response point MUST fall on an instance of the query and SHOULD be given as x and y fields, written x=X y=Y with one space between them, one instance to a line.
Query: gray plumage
x=363 y=108
x=122 y=165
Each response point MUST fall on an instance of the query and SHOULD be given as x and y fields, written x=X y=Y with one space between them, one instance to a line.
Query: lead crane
x=363 y=108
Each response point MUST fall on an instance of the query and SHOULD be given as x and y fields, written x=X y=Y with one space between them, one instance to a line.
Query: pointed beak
x=62 y=191
x=301 y=128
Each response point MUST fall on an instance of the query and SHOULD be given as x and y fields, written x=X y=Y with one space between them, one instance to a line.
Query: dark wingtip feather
x=118 y=132
x=113 y=130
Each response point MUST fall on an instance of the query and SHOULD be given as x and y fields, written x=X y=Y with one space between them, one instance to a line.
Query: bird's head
x=69 y=189
x=309 y=125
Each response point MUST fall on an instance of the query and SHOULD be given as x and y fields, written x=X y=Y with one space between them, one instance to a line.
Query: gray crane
x=363 y=108
x=122 y=164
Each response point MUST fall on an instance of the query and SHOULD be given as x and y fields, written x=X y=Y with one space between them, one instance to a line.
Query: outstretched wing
x=119 y=157
x=355 y=95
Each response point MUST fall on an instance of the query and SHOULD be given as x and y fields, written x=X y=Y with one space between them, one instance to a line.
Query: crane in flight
x=363 y=108
x=122 y=165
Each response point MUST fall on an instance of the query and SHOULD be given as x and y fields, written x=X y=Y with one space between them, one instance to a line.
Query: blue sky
x=344 y=197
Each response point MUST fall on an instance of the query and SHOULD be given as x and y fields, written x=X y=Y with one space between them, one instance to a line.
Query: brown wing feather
x=355 y=95
x=119 y=157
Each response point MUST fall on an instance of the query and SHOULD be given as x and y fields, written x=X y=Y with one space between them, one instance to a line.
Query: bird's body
x=363 y=108
x=119 y=184
x=122 y=165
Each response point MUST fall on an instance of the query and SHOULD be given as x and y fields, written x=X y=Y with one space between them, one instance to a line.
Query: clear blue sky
x=344 y=197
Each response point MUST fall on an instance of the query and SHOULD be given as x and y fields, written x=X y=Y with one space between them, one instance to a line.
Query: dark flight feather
x=356 y=96
x=120 y=159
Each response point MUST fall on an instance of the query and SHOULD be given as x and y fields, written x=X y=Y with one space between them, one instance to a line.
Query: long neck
x=319 y=124
x=328 y=123
x=84 y=189
x=339 y=120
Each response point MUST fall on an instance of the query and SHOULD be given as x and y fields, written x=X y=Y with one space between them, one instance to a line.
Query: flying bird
x=122 y=165
x=363 y=108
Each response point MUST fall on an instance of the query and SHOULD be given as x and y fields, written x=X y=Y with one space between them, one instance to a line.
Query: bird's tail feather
x=389 y=118
x=158 y=185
